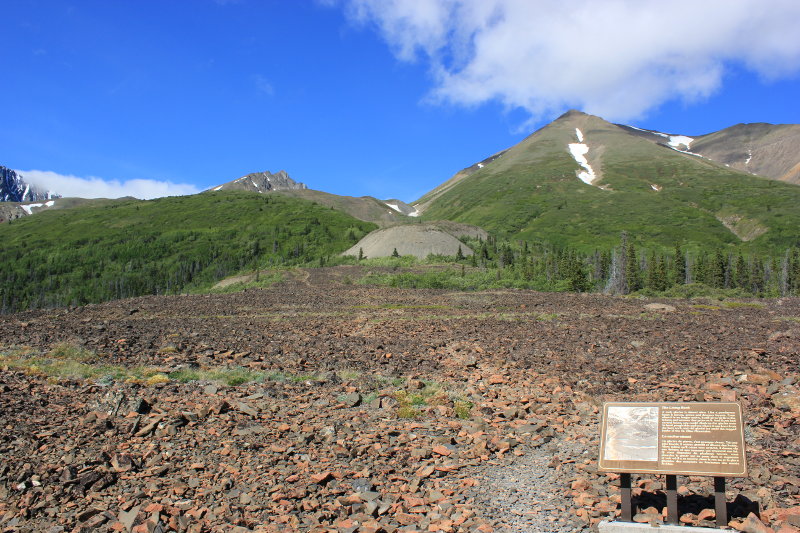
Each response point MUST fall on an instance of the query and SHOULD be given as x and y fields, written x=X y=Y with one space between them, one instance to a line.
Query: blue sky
x=363 y=97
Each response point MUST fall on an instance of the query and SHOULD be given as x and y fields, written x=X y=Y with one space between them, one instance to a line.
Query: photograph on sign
x=702 y=438
x=632 y=434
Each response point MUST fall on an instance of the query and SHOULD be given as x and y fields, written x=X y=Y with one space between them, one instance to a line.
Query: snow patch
x=414 y=214
x=579 y=151
x=480 y=165
x=29 y=207
x=254 y=183
x=217 y=188
x=749 y=157
x=395 y=207
x=579 y=133
x=676 y=141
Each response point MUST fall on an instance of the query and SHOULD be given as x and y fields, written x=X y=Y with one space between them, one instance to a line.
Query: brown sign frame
x=661 y=438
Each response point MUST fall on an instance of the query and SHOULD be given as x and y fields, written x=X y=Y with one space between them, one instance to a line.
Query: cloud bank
x=94 y=187
x=615 y=58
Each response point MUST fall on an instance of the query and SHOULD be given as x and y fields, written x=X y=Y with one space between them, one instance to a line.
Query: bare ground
x=495 y=427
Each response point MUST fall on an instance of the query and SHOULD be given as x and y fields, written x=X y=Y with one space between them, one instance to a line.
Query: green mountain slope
x=657 y=194
x=124 y=248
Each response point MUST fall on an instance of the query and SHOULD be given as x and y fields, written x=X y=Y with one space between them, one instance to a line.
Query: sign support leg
x=672 y=499
x=720 y=503
x=625 y=492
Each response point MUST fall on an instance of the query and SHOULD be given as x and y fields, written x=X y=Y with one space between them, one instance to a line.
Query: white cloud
x=614 y=58
x=94 y=187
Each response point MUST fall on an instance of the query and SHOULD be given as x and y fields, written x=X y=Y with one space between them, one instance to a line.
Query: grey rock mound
x=419 y=240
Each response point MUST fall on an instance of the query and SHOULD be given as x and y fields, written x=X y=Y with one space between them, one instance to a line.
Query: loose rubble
x=383 y=410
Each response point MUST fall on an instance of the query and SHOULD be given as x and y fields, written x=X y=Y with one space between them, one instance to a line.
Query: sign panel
x=692 y=438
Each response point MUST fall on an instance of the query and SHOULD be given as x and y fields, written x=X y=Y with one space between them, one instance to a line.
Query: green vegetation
x=675 y=273
x=70 y=361
x=124 y=248
x=463 y=409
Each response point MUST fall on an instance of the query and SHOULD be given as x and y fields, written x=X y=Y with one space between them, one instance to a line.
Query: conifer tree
x=701 y=268
x=715 y=271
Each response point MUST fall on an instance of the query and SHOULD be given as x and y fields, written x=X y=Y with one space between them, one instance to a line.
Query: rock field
x=378 y=409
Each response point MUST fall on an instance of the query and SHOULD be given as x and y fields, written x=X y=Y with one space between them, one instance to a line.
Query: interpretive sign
x=692 y=438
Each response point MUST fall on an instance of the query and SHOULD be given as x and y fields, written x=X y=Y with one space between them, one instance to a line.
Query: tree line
x=627 y=269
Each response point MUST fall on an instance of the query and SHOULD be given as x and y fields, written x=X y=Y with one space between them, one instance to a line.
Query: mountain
x=262 y=182
x=14 y=189
x=767 y=150
x=364 y=208
x=582 y=181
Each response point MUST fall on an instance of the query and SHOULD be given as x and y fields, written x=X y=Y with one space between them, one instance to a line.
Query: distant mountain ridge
x=364 y=208
x=581 y=181
x=767 y=150
x=13 y=188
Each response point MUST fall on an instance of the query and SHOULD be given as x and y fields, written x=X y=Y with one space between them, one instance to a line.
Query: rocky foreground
x=322 y=406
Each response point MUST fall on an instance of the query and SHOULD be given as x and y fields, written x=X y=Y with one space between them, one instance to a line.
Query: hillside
x=581 y=181
x=364 y=208
x=116 y=249
x=768 y=150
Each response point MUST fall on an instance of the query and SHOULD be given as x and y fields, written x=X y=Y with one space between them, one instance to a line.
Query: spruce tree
x=632 y=271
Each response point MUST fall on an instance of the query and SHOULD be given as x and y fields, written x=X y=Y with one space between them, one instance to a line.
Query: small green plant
x=407 y=411
x=462 y=409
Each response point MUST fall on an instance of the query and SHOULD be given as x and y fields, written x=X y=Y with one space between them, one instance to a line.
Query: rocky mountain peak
x=263 y=182
x=14 y=189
